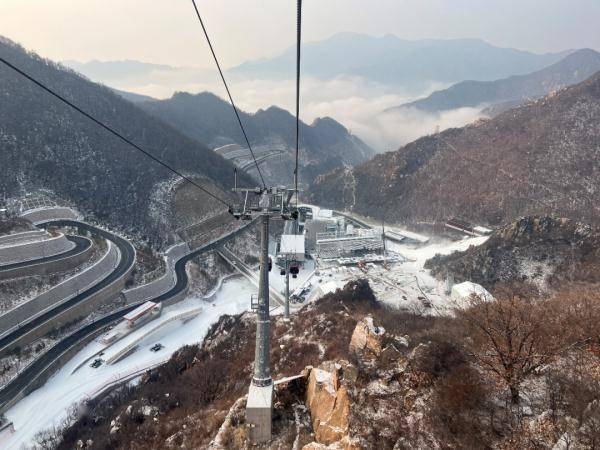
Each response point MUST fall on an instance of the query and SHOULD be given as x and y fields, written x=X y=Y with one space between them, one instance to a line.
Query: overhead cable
x=112 y=131
x=298 y=41
x=235 y=110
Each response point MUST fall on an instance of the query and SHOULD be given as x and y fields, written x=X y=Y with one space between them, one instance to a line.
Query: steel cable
x=110 y=130
x=237 y=115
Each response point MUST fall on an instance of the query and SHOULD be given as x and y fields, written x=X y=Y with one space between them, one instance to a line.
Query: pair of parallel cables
x=158 y=160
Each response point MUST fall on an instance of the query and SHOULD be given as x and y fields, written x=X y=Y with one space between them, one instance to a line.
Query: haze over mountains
x=573 y=69
x=395 y=61
x=44 y=144
x=325 y=144
x=540 y=158
x=349 y=77
x=413 y=65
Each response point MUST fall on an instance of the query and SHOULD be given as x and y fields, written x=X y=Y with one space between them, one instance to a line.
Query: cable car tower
x=266 y=203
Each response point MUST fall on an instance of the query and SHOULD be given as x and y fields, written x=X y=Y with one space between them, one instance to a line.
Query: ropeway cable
x=237 y=115
x=110 y=130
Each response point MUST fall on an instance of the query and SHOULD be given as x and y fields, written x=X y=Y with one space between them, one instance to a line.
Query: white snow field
x=48 y=406
x=425 y=283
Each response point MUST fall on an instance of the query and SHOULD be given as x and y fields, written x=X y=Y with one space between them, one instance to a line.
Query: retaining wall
x=15 y=253
x=76 y=311
x=44 y=214
x=55 y=266
x=19 y=237
x=177 y=297
x=163 y=284
x=61 y=292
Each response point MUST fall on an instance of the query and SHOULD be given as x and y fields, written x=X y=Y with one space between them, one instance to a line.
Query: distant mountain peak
x=572 y=69
x=329 y=122
x=199 y=95
x=325 y=143
x=391 y=60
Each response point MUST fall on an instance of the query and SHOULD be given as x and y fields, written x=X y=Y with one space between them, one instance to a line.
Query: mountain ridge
x=325 y=144
x=46 y=145
x=573 y=69
x=391 y=60
x=537 y=159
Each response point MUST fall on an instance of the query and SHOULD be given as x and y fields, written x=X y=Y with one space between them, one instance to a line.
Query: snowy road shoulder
x=48 y=406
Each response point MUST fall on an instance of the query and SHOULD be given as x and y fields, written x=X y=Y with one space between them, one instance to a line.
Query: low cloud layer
x=354 y=102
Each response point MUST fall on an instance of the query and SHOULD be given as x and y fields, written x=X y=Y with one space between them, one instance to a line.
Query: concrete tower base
x=259 y=410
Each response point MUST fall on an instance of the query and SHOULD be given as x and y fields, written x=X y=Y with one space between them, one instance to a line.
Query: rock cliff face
x=541 y=250
x=328 y=402
x=424 y=391
x=367 y=337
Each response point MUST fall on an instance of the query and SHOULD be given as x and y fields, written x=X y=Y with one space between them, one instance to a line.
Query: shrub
x=456 y=405
x=438 y=357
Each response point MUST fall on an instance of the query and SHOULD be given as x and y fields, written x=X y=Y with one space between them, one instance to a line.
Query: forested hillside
x=573 y=69
x=540 y=158
x=325 y=144
x=44 y=144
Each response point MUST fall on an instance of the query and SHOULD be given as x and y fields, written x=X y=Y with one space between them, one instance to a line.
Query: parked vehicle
x=157 y=347
x=96 y=363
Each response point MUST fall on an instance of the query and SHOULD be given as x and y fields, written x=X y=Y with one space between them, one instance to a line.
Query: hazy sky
x=166 y=31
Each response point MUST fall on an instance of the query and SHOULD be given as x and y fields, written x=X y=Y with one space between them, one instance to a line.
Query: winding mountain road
x=81 y=245
x=31 y=374
x=124 y=265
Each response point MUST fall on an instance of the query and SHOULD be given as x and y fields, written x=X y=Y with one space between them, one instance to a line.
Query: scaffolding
x=330 y=246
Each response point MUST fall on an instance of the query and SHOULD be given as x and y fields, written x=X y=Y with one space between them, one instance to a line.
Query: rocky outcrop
x=541 y=250
x=328 y=402
x=367 y=338
x=345 y=444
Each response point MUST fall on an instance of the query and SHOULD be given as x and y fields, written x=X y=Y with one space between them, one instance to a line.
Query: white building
x=142 y=314
x=292 y=247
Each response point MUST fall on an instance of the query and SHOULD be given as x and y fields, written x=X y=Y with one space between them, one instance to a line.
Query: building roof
x=325 y=214
x=408 y=235
x=139 y=311
x=292 y=244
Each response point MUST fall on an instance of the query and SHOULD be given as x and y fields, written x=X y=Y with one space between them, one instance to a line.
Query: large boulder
x=345 y=444
x=367 y=338
x=328 y=403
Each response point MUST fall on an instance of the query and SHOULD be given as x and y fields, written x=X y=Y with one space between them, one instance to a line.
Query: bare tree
x=511 y=337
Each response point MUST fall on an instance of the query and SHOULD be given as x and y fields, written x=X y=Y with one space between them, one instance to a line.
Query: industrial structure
x=267 y=203
x=356 y=243
x=467 y=228
x=290 y=256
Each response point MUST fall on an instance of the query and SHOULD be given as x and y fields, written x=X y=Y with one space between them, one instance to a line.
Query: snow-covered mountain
x=325 y=144
x=573 y=69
